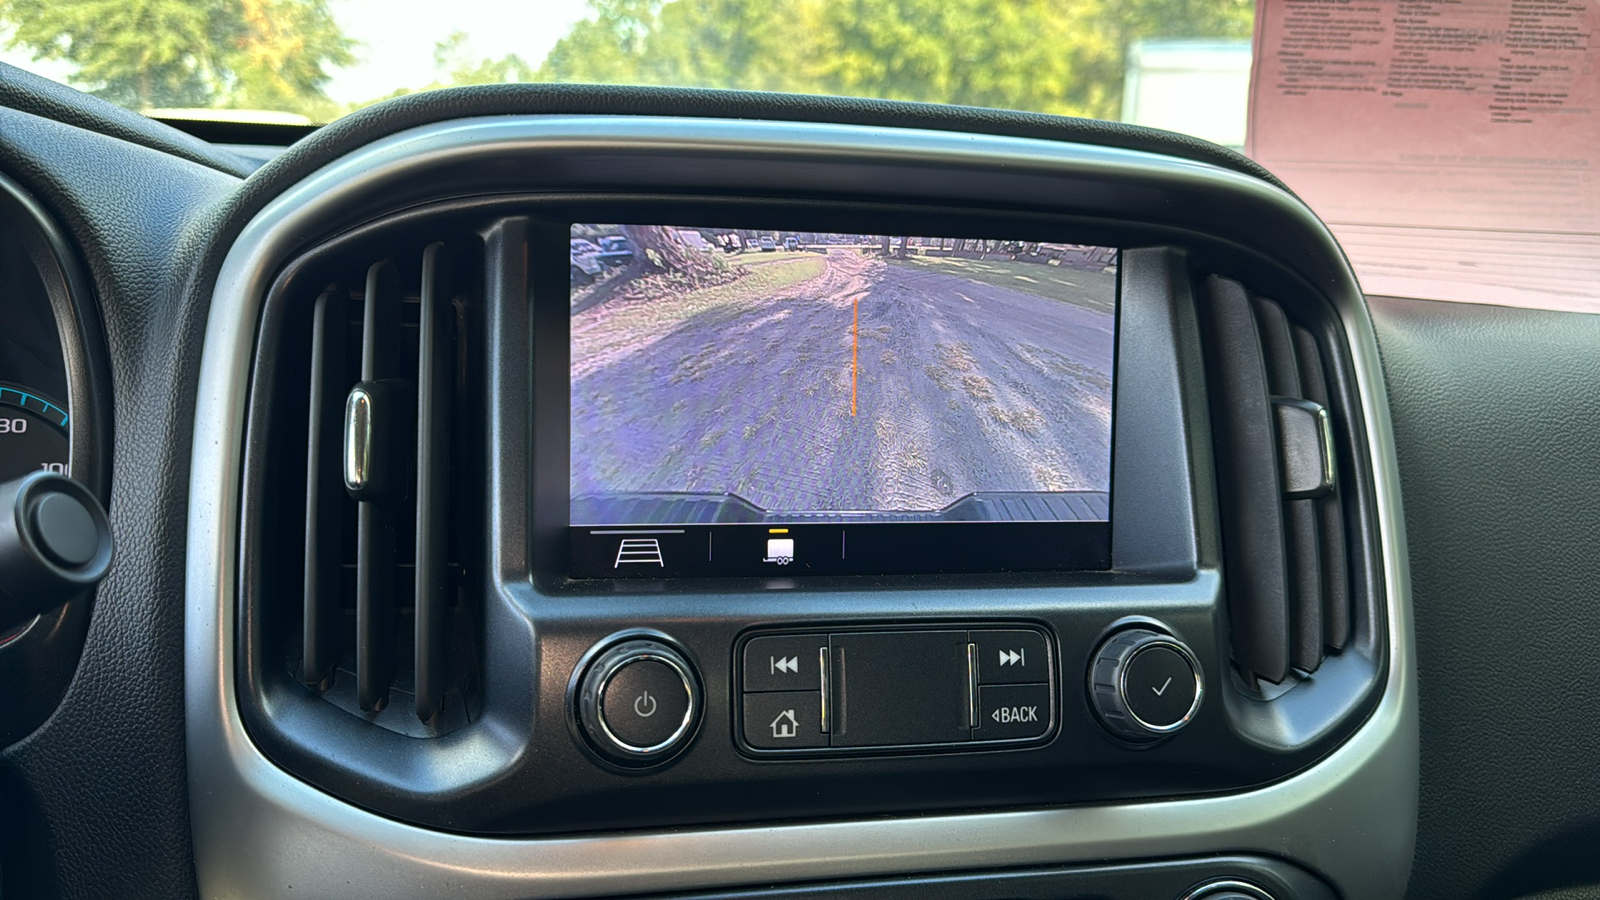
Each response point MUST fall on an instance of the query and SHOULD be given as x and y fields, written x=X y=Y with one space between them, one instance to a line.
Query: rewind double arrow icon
x=788 y=664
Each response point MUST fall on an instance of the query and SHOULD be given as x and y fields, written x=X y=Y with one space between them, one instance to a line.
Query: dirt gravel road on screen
x=960 y=385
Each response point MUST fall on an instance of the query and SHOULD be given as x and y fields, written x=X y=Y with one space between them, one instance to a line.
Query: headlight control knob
x=55 y=543
x=1145 y=685
x=639 y=702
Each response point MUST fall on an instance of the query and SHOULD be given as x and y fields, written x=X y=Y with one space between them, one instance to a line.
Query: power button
x=645 y=703
x=639 y=702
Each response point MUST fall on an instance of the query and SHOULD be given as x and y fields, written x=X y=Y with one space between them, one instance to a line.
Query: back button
x=1012 y=711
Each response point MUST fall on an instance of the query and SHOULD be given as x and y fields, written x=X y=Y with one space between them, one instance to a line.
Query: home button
x=639 y=702
x=788 y=720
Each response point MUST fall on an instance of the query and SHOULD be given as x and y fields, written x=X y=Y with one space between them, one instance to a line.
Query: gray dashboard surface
x=1349 y=817
x=104 y=781
x=26 y=92
x=1497 y=430
x=96 y=802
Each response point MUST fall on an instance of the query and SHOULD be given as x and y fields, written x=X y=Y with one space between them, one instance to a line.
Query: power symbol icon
x=644 y=705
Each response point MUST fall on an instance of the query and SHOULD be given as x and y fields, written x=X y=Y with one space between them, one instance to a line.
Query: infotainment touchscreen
x=780 y=403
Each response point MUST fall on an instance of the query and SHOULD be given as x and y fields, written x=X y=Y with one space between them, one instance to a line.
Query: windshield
x=315 y=60
x=1449 y=146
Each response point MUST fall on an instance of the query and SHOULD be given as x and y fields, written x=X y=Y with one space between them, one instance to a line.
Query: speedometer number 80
x=33 y=433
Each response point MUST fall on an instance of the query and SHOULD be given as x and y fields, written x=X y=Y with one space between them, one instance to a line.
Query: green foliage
x=279 y=60
x=1060 y=56
x=158 y=53
x=261 y=54
x=1042 y=55
x=608 y=48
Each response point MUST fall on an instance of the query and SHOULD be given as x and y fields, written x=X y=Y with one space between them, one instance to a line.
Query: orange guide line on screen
x=855 y=341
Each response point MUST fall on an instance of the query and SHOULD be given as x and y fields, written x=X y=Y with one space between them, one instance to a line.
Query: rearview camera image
x=727 y=375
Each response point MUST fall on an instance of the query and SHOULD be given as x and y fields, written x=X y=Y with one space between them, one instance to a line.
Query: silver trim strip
x=259 y=831
x=824 y=663
x=1221 y=887
x=972 y=685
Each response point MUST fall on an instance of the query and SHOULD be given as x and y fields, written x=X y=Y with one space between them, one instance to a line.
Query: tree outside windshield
x=317 y=58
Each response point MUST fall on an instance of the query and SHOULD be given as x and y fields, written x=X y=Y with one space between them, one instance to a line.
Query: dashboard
x=565 y=491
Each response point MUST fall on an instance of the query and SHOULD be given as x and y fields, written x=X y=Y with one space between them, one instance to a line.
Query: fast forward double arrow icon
x=1013 y=658
x=790 y=664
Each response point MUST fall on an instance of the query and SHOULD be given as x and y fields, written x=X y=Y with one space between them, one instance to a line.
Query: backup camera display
x=790 y=381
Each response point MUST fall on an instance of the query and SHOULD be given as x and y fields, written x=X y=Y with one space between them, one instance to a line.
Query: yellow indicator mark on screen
x=777 y=531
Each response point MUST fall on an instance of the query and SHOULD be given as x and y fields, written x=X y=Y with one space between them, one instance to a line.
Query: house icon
x=785 y=725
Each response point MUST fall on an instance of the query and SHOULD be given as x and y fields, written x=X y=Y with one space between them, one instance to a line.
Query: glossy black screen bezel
x=931 y=548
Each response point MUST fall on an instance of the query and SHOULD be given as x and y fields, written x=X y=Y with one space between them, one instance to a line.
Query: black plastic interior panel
x=99 y=794
x=1247 y=481
x=1168 y=880
x=26 y=92
x=1495 y=426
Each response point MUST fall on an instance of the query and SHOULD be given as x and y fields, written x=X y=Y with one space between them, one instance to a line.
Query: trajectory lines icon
x=639 y=550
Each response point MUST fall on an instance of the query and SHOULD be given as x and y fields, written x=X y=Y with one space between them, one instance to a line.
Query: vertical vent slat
x=383 y=385
x=1282 y=436
x=435 y=377
x=324 y=493
x=1300 y=516
x=375 y=554
x=1247 y=481
x=1336 y=599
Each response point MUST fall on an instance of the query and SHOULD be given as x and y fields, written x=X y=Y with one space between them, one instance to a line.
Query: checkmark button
x=1160 y=685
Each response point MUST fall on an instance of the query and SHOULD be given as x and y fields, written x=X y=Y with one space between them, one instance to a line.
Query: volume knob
x=1145 y=685
x=639 y=702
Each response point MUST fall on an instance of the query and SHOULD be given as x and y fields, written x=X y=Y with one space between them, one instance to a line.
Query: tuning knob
x=1145 y=685
x=55 y=543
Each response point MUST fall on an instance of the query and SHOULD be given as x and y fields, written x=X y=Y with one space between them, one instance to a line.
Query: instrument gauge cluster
x=33 y=432
x=54 y=398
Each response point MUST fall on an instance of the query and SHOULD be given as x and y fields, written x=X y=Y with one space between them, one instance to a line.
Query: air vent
x=384 y=627
x=1281 y=435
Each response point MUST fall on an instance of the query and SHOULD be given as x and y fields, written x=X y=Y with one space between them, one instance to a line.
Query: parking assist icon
x=639 y=550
